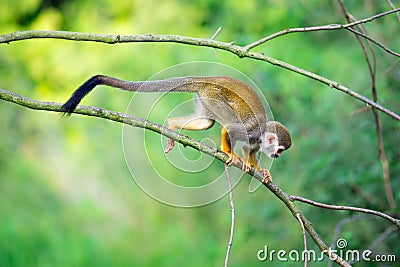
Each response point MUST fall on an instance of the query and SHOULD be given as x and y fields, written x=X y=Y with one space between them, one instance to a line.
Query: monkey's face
x=270 y=145
x=276 y=139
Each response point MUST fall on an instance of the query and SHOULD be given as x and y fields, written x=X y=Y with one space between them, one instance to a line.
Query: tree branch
x=333 y=207
x=378 y=123
x=303 y=232
x=374 y=41
x=320 y=28
x=216 y=33
x=393 y=7
x=232 y=206
x=183 y=139
x=240 y=51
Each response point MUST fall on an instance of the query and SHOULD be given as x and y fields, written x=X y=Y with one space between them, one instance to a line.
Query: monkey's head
x=275 y=140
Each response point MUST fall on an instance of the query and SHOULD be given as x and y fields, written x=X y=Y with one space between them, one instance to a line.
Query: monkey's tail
x=79 y=93
x=182 y=84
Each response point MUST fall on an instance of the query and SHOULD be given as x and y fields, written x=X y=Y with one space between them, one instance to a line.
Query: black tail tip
x=80 y=93
x=68 y=108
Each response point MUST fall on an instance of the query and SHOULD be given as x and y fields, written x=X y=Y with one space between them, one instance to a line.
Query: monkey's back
x=234 y=104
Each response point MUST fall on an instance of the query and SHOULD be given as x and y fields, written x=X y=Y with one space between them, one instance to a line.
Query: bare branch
x=214 y=36
x=382 y=237
x=353 y=218
x=318 y=28
x=230 y=47
x=343 y=222
x=374 y=41
x=378 y=123
x=333 y=207
x=303 y=231
x=183 y=139
x=216 y=33
x=360 y=110
x=232 y=205
x=393 y=7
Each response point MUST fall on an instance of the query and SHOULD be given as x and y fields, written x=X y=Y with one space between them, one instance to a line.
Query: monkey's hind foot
x=266 y=176
x=265 y=173
x=246 y=167
x=169 y=146
x=233 y=159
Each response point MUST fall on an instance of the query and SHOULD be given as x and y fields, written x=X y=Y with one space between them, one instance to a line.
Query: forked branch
x=330 y=27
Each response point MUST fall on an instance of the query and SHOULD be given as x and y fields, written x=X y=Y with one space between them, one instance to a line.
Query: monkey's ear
x=270 y=138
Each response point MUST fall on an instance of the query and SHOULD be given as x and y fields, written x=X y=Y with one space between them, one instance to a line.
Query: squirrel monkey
x=229 y=101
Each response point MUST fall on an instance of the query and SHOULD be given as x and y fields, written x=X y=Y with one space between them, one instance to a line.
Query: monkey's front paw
x=169 y=146
x=266 y=176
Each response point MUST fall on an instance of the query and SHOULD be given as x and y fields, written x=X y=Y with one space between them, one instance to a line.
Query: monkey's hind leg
x=227 y=148
x=195 y=123
x=250 y=160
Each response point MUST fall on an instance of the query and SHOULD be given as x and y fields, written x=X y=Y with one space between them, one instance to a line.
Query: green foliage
x=66 y=195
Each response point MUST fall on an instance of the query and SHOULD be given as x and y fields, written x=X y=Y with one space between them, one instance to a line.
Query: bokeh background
x=67 y=197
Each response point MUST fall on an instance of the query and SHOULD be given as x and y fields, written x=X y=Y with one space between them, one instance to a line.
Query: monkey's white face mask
x=270 y=145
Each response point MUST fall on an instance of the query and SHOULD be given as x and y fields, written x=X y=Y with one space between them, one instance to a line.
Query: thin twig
x=339 y=226
x=230 y=47
x=382 y=237
x=232 y=205
x=303 y=231
x=350 y=219
x=185 y=140
x=378 y=123
x=368 y=198
x=213 y=37
x=345 y=221
x=379 y=240
x=216 y=33
x=369 y=38
x=318 y=28
x=334 y=207
x=393 y=7
x=360 y=110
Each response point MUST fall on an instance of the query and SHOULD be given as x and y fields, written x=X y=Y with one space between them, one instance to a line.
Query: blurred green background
x=66 y=195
